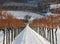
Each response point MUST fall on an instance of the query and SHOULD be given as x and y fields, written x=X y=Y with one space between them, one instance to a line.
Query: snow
x=29 y=36
x=54 y=6
x=22 y=14
x=48 y=13
x=1 y=37
x=58 y=36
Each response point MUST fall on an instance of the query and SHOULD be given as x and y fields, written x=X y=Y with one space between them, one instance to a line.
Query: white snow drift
x=29 y=36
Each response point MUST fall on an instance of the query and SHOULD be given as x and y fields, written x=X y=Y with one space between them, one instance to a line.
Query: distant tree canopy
x=27 y=17
x=8 y=21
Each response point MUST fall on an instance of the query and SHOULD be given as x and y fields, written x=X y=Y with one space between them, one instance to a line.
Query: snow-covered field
x=54 y=6
x=21 y=14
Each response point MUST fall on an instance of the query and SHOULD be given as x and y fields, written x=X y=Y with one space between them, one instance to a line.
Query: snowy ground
x=58 y=36
x=1 y=37
x=29 y=36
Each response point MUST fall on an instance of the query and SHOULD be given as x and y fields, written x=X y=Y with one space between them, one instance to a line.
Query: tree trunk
x=56 y=35
x=52 y=36
x=13 y=34
x=5 y=37
x=10 y=36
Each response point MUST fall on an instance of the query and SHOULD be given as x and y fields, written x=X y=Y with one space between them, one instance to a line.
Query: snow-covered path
x=28 y=36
